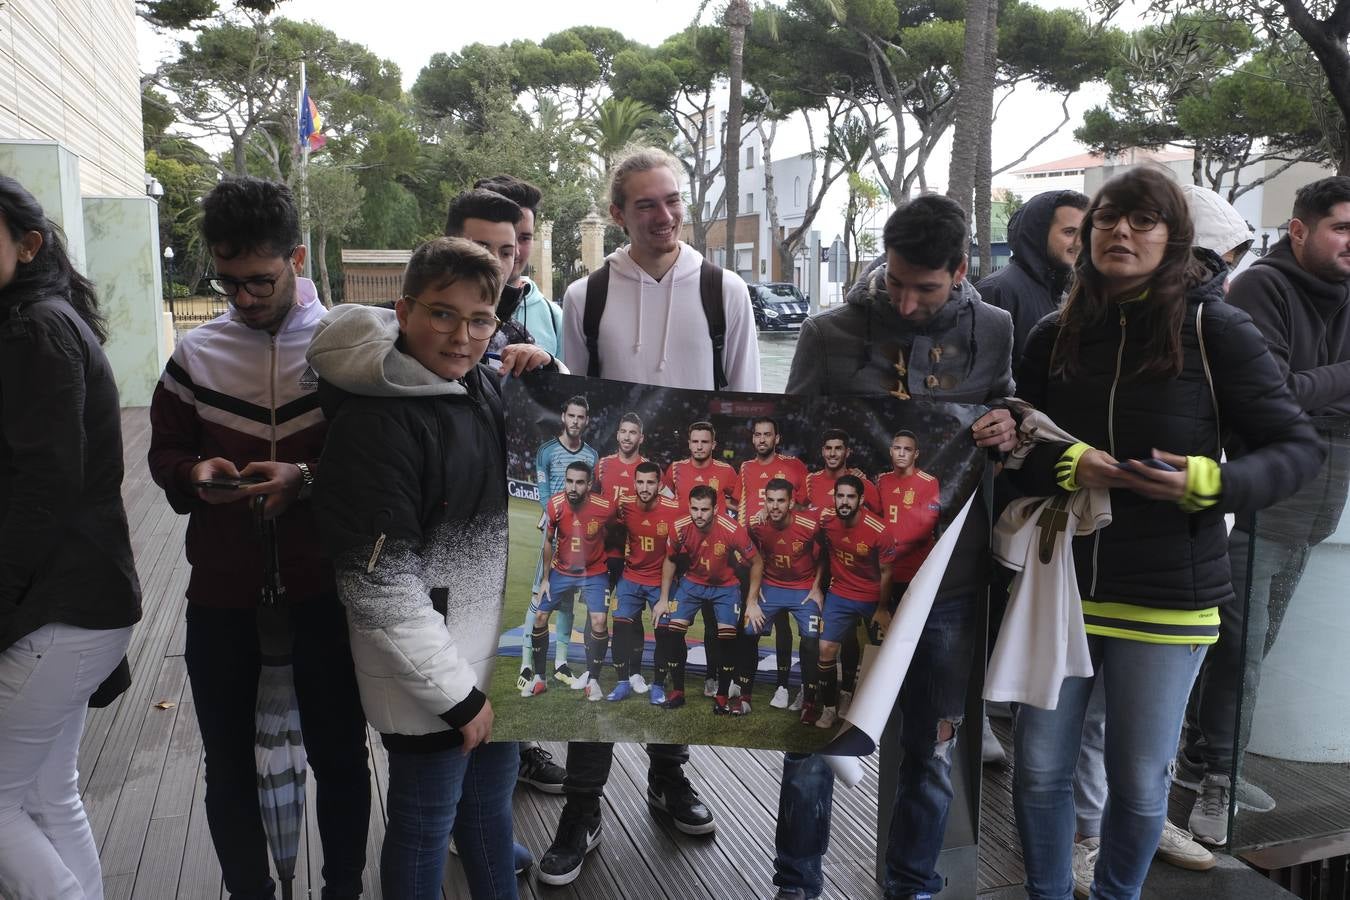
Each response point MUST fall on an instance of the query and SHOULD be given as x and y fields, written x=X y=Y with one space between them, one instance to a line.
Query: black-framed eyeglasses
x=261 y=286
x=1105 y=218
x=482 y=326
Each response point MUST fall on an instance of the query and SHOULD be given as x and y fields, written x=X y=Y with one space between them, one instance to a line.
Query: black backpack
x=709 y=291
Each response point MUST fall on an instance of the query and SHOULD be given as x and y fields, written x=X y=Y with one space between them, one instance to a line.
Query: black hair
x=50 y=272
x=703 y=492
x=761 y=419
x=778 y=484
x=905 y=432
x=647 y=467
x=489 y=206
x=852 y=481
x=1314 y=201
x=441 y=262
x=703 y=426
x=929 y=231
x=250 y=215
x=577 y=400
x=522 y=193
x=579 y=466
x=1072 y=198
x=836 y=434
x=631 y=418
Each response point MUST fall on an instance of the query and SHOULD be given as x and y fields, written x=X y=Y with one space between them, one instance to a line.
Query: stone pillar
x=52 y=174
x=541 y=256
x=122 y=246
x=592 y=241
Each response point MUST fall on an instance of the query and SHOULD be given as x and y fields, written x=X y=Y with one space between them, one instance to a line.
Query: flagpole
x=304 y=173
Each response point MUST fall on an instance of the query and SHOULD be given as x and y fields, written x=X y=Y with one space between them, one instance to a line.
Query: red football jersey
x=579 y=534
x=614 y=479
x=857 y=553
x=791 y=553
x=683 y=476
x=910 y=508
x=649 y=532
x=710 y=552
x=820 y=489
x=754 y=475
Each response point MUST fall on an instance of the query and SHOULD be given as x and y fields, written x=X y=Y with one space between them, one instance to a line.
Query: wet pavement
x=775 y=358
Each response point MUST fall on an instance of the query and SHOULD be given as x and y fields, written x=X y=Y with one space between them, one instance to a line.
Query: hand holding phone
x=227 y=483
x=1151 y=463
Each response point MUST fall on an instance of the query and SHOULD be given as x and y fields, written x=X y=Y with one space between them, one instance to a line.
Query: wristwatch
x=308 y=487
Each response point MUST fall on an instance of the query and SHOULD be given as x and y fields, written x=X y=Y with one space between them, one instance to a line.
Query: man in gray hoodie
x=913 y=327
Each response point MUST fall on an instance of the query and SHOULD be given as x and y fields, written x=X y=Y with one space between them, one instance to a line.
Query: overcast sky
x=410 y=31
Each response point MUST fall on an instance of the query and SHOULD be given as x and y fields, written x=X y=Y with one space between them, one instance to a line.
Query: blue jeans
x=1146 y=690
x=933 y=694
x=433 y=794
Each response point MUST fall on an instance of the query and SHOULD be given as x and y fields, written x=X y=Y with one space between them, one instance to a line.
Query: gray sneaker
x=1209 y=816
x=1084 y=863
x=1187 y=772
x=1251 y=797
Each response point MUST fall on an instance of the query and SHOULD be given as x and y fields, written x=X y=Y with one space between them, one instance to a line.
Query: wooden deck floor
x=141 y=773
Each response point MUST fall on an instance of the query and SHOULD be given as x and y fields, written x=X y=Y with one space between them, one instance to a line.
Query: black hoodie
x=1306 y=322
x=1030 y=287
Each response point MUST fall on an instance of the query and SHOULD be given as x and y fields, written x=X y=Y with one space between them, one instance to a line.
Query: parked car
x=778 y=305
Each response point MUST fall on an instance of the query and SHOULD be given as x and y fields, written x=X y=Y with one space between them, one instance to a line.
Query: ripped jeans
x=932 y=701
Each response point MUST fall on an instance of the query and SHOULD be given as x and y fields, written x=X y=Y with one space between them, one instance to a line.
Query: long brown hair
x=1089 y=302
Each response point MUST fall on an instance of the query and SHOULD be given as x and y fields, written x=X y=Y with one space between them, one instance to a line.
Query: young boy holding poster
x=416 y=524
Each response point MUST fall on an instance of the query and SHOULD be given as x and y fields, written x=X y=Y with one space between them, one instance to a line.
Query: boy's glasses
x=1105 y=218
x=447 y=321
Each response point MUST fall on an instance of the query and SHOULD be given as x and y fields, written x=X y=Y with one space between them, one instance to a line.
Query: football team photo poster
x=646 y=515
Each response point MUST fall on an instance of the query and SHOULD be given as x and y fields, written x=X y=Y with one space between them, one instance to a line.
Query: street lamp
x=168 y=275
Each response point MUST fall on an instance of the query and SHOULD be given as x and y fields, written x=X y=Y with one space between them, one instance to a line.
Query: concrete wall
x=69 y=73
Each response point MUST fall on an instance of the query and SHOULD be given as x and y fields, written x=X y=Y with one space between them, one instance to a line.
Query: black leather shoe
x=679 y=800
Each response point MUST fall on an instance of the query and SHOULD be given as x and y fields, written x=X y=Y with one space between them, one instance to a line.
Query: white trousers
x=47 y=850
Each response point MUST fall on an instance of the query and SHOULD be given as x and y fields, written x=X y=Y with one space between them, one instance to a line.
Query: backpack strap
x=1209 y=376
x=597 y=294
x=714 y=309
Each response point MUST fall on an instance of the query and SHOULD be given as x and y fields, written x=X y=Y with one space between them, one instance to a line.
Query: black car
x=778 y=306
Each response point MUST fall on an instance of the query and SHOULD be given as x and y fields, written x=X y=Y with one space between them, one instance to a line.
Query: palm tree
x=737 y=20
x=617 y=123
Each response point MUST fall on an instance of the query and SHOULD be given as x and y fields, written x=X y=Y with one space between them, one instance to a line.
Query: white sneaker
x=535 y=685
x=796 y=704
x=710 y=687
x=1209 y=816
x=638 y=684
x=594 y=691
x=845 y=701
x=780 y=698
x=828 y=716
x=1084 y=862
x=1176 y=846
x=734 y=690
x=579 y=682
x=991 y=750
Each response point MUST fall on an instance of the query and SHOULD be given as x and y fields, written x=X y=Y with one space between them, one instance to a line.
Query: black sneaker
x=539 y=771
x=577 y=836
x=679 y=800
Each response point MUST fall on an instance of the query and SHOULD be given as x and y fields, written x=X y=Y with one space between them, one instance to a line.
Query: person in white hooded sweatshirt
x=653 y=331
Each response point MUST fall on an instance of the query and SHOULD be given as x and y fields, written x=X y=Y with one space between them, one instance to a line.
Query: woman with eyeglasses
x=68 y=588
x=412 y=506
x=1150 y=372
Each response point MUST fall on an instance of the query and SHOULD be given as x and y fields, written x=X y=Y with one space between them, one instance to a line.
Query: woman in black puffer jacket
x=68 y=588
x=1146 y=367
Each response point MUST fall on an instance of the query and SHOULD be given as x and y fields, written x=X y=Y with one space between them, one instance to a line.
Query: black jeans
x=223 y=661
x=589 y=762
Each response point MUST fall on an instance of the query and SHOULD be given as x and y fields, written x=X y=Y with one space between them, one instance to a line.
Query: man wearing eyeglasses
x=235 y=420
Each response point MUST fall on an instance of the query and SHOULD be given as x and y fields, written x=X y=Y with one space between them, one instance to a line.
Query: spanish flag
x=311 y=123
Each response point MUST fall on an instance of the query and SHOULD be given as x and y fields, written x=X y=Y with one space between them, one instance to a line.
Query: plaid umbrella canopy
x=278 y=745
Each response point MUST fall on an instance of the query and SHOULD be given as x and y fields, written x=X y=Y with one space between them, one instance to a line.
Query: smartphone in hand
x=1152 y=464
x=226 y=483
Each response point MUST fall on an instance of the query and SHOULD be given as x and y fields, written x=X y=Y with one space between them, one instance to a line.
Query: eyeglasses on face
x=1105 y=218
x=482 y=326
x=260 y=286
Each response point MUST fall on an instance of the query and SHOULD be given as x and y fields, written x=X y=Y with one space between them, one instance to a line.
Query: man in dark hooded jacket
x=1298 y=294
x=1043 y=236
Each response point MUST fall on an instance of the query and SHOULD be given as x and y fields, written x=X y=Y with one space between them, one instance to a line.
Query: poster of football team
x=709 y=568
